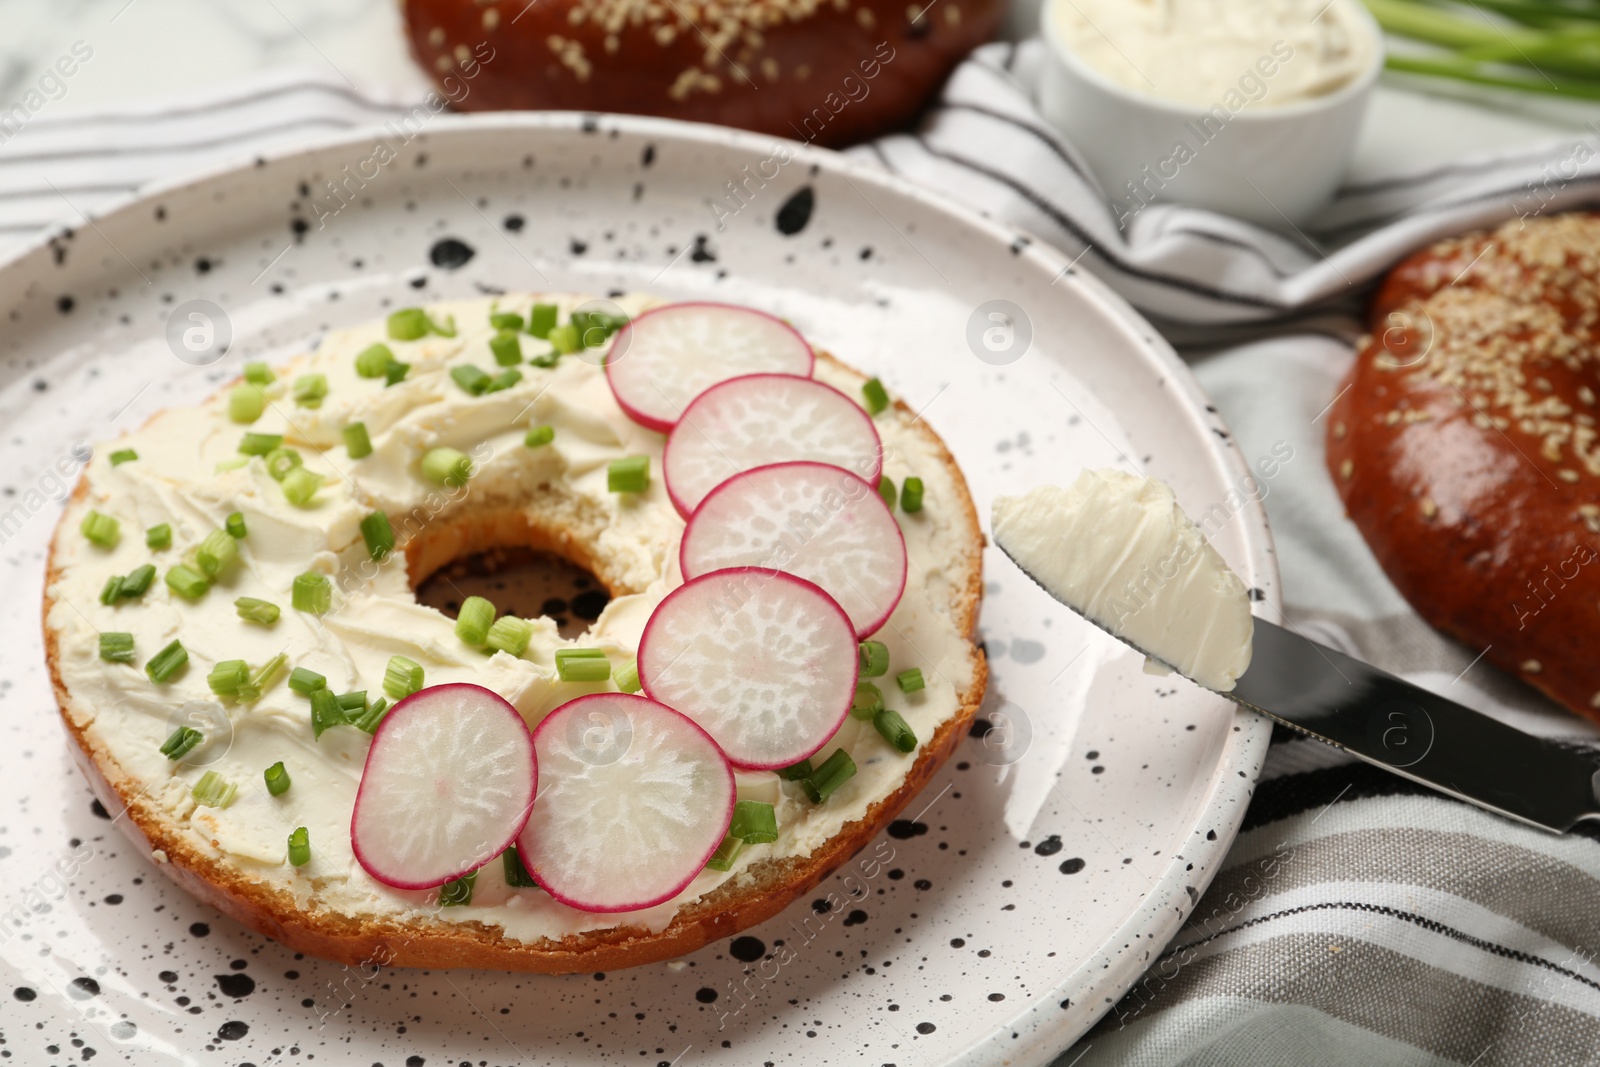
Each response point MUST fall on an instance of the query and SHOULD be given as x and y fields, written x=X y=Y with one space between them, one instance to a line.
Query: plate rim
x=1162 y=906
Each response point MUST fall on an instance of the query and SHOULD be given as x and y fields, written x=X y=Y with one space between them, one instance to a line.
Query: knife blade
x=1406 y=729
x=1416 y=733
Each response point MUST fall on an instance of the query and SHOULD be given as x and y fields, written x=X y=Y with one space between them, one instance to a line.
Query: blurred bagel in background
x=830 y=72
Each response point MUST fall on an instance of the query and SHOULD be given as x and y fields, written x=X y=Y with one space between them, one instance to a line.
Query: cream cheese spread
x=1118 y=549
x=184 y=477
x=1267 y=53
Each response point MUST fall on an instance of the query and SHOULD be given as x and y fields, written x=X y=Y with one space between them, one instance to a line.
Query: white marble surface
x=171 y=49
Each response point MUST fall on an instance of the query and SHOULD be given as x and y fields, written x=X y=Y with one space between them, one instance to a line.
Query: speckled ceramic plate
x=1040 y=872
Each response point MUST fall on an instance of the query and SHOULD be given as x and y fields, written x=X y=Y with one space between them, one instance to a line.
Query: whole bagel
x=1464 y=446
x=832 y=72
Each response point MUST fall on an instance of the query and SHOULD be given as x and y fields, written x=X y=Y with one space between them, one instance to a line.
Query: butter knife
x=1412 y=732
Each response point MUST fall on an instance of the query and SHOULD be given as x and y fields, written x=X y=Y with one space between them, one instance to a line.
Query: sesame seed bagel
x=832 y=72
x=185 y=472
x=1464 y=446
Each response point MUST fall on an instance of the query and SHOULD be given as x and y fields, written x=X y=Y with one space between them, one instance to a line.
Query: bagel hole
x=521 y=581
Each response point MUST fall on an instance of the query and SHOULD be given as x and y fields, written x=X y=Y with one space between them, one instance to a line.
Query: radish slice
x=633 y=800
x=765 y=661
x=762 y=419
x=665 y=358
x=811 y=520
x=449 y=782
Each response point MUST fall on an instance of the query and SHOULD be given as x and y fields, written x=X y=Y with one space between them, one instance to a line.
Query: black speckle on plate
x=236 y=985
x=451 y=253
x=796 y=211
x=903 y=829
x=649 y=155
x=926 y=1028
x=747 y=949
x=577 y=247
x=24 y=994
x=83 y=988
x=199 y=929
x=1049 y=846
x=232 y=1030
x=513 y=223
x=65 y=304
x=701 y=253
x=1072 y=866
x=705 y=995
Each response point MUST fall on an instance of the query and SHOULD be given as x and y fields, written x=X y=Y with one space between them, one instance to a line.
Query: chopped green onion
x=262 y=679
x=630 y=474
x=164 y=664
x=353 y=701
x=116 y=647
x=470 y=378
x=111 y=590
x=235 y=526
x=227 y=676
x=158 y=537
x=722 y=859
x=374 y=361
x=457 y=892
x=219 y=549
x=509 y=634
x=408 y=324
x=546 y=359
x=100 y=529
x=446 y=466
x=260 y=444
x=506 y=320
x=628 y=679
x=868 y=701
x=257 y=373
x=282 y=461
x=876 y=396
x=517 y=876
x=231 y=464
x=137 y=583
x=503 y=381
x=369 y=719
x=754 y=822
x=446 y=330
x=895 y=730
x=542 y=319
x=402 y=677
x=277 y=777
x=187 y=582
x=311 y=592
x=246 y=403
x=356 y=441
x=474 y=619
x=252 y=610
x=910 y=681
x=123 y=455
x=874 y=659
x=835 y=771
x=582 y=665
x=309 y=390
x=795 y=772
x=378 y=534
x=396 y=373
x=911 y=495
x=539 y=436
x=594 y=327
x=299 y=847
x=305 y=681
x=564 y=339
x=300 y=486
x=214 y=791
x=181 y=743
x=506 y=347
x=325 y=712
x=886 y=490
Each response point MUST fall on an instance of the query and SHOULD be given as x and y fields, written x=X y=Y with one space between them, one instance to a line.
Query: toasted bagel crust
x=352 y=939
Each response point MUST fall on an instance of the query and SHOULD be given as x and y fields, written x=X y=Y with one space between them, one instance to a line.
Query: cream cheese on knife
x=1117 y=549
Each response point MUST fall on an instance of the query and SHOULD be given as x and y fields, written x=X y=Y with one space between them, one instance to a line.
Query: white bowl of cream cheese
x=1247 y=107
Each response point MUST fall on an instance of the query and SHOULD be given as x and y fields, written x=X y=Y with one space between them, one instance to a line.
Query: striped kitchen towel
x=1359 y=919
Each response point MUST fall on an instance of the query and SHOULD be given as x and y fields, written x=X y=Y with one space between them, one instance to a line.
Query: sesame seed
x=1531 y=666
x=1429 y=508
x=1338 y=431
x=1347 y=468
